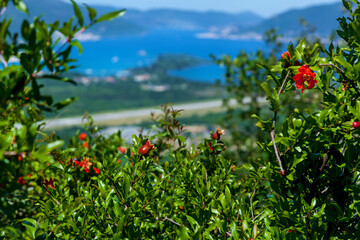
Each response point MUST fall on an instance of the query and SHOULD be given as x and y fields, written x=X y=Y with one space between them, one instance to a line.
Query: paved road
x=129 y=114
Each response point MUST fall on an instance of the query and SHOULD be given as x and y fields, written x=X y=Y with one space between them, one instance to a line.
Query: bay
x=112 y=57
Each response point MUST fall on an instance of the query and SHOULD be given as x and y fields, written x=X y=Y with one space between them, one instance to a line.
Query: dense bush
x=303 y=184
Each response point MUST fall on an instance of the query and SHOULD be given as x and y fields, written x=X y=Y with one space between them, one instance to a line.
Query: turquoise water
x=113 y=56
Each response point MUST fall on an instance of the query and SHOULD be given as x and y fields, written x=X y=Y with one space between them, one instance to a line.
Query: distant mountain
x=218 y=24
x=323 y=17
x=52 y=10
x=181 y=19
x=135 y=21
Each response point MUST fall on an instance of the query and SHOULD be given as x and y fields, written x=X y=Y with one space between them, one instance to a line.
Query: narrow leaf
x=78 y=13
x=111 y=16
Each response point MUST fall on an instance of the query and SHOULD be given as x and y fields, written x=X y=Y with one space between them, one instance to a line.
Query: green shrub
x=305 y=186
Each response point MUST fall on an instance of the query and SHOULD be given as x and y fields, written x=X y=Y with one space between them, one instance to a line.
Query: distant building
x=155 y=88
x=142 y=77
x=110 y=79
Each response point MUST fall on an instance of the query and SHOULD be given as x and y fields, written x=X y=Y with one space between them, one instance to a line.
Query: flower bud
x=284 y=54
x=356 y=124
x=216 y=135
x=144 y=150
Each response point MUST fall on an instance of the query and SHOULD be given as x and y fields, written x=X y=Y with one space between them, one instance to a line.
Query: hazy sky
x=265 y=8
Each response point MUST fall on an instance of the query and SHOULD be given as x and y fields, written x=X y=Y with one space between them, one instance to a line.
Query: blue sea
x=114 y=56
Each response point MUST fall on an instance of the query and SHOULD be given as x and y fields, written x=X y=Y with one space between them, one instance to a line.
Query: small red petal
x=82 y=136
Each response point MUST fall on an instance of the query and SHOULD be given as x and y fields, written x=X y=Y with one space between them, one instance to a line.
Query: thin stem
x=146 y=203
x=272 y=133
x=133 y=182
x=325 y=160
x=332 y=65
x=170 y=220
x=251 y=199
x=117 y=192
x=282 y=85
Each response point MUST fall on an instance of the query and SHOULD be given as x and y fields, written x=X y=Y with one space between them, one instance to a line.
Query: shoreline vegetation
x=141 y=87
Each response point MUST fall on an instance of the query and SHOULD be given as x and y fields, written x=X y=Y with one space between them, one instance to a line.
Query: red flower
x=122 y=150
x=85 y=145
x=146 y=148
x=82 y=136
x=19 y=158
x=97 y=171
x=74 y=161
x=211 y=148
x=49 y=183
x=85 y=164
x=21 y=180
x=305 y=79
x=286 y=54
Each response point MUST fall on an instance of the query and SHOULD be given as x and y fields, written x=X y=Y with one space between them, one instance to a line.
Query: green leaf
x=54 y=145
x=313 y=203
x=347 y=66
x=183 y=235
x=227 y=195
x=347 y=5
x=193 y=222
x=266 y=88
x=91 y=11
x=73 y=225
x=234 y=233
x=65 y=102
x=223 y=201
x=77 y=44
x=30 y=229
x=29 y=220
x=126 y=186
x=63 y=79
x=111 y=16
x=272 y=96
x=301 y=46
x=78 y=13
x=25 y=26
x=182 y=140
x=263 y=125
x=22 y=6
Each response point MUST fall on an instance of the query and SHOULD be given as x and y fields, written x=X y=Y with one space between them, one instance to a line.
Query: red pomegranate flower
x=85 y=164
x=97 y=171
x=284 y=54
x=122 y=150
x=211 y=148
x=85 y=145
x=305 y=79
x=21 y=180
x=82 y=136
x=49 y=183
